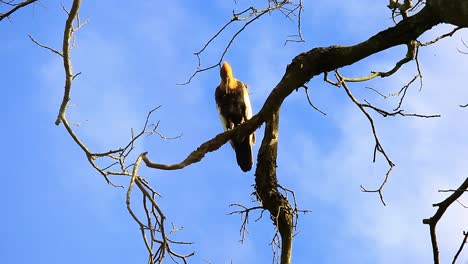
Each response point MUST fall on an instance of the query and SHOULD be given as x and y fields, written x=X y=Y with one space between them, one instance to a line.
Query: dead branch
x=461 y=204
x=400 y=112
x=306 y=89
x=449 y=34
x=211 y=145
x=67 y=35
x=155 y=221
x=303 y=67
x=378 y=146
x=266 y=186
x=45 y=47
x=441 y=208
x=466 y=46
x=15 y=8
x=248 y=16
x=464 y=241
x=153 y=214
x=244 y=212
x=410 y=55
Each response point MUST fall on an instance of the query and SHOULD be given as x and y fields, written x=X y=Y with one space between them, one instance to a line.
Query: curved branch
x=67 y=35
x=266 y=186
x=16 y=8
x=250 y=15
x=307 y=65
x=213 y=144
x=410 y=55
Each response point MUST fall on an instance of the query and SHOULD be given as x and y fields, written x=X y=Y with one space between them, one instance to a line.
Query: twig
x=449 y=34
x=16 y=8
x=248 y=15
x=464 y=241
x=410 y=55
x=45 y=47
x=306 y=89
x=244 y=212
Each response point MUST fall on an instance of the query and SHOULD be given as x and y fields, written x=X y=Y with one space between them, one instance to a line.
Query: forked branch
x=441 y=209
x=290 y=9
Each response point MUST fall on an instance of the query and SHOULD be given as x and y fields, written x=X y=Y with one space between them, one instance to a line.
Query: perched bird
x=234 y=108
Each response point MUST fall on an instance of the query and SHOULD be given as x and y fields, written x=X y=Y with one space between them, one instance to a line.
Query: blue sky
x=57 y=209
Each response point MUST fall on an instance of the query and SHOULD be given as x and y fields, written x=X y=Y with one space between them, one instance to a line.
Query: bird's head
x=226 y=76
x=225 y=71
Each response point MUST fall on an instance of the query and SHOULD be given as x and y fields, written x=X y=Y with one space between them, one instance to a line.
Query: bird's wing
x=248 y=108
x=223 y=120
x=248 y=105
x=218 y=107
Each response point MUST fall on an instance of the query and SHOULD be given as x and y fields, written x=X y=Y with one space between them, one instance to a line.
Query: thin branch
x=450 y=190
x=377 y=92
x=442 y=207
x=462 y=205
x=211 y=145
x=395 y=112
x=244 y=212
x=45 y=47
x=199 y=70
x=464 y=241
x=449 y=34
x=248 y=16
x=129 y=193
x=310 y=101
x=410 y=55
x=378 y=146
x=15 y=8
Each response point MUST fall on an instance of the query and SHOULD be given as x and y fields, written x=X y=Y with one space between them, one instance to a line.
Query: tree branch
x=266 y=186
x=16 y=8
x=442 y=207
x=464 y=241
x=67 y=35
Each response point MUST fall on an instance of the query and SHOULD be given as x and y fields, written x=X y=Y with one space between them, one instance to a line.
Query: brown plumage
x=234 y=108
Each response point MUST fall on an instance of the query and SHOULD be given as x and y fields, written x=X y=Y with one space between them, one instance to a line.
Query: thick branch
x=266 y=186
x=451 y=11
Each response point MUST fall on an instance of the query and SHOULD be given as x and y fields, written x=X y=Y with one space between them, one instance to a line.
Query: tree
x=411 y=21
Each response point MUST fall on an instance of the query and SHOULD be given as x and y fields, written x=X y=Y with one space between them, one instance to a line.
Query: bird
x=234 y=108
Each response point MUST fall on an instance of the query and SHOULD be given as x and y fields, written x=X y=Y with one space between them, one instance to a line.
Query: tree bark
x=266 y=186
x=451 y=11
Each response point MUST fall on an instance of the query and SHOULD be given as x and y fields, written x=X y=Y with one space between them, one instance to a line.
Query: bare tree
x=412 y=19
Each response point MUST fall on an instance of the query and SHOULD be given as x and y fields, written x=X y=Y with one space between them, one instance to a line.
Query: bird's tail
x=244 y=154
